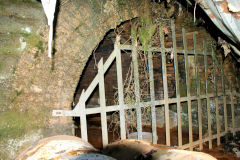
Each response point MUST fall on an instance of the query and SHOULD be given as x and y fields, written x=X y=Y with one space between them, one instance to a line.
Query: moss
x=25 y=34
x=39 y=45
x=35 y=41
x=24 y=1
x=16 y=94
x=15 y=125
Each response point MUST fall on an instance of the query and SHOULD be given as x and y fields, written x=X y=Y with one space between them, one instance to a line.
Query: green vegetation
x=143 y=30
x=34 y=40
x=122 y=2
x=14 y=123
x=16 y=94
x=146 y=31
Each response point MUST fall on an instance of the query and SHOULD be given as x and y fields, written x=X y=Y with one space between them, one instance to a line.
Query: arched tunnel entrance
x=179 y=78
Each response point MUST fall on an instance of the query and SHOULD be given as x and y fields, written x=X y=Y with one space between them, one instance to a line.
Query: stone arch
x=47 y=84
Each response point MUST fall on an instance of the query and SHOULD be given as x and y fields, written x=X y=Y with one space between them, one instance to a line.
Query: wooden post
x=165 y=87
x=152 y=93
x=188 y=88
x=208 y=98
x=120 y=92
x=102 y=103
x=198 y=93
x=177 y=84
x=137 y=89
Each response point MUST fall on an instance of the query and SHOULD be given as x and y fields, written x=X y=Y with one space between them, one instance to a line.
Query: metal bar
x=229 y=83
x=216 y=98
x=165 y=86
x=83 y=119
x=233 y=113
x=144 y=104
x=225 y=113
x=137 y=90
x=95 y=81
x=208 y=98
x=195 y=143
x=224 y=100
x=152 y=93
x=198 y=93
x=102 y=103
x=188 y=87
x=89 y=90
x=157 y=49
x=120 y=92
x=177 y=84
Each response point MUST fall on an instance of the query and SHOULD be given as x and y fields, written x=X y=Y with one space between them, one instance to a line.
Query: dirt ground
x=219 y=153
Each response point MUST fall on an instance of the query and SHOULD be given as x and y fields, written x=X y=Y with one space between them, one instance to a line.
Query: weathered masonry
x=209 y=104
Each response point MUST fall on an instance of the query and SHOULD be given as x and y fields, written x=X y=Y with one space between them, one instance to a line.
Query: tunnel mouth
x=106 y=47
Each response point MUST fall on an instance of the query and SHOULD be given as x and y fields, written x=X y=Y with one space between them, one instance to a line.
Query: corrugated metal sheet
x=225 y=14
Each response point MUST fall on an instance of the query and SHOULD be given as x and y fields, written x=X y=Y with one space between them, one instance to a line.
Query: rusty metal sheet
x=62 y=147
x=225 y=14
x=174 y=154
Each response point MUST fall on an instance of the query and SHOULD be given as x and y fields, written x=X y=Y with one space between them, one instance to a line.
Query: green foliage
x=134 y=32
x=146 y=31
x=143 y=30
x=122 y=2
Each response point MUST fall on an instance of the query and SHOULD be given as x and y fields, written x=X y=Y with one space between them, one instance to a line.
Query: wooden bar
x=188 y=88
x=216 y=98
x=165 y=86
x=208 y=98
x=152 y=93
x=177 y=85
x=198 y=93
x=102 y=103
x=120 y=92
x=137 y=90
